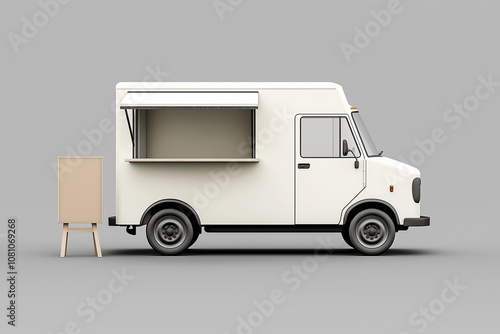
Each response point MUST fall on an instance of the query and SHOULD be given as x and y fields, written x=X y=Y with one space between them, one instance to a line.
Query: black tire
x=169 y=232
x=372 y=232
x=196 y=234
x=345 y=236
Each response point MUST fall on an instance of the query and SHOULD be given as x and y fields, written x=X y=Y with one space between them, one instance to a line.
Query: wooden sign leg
x=93 y=238
x=97 y=244
x=64 y=244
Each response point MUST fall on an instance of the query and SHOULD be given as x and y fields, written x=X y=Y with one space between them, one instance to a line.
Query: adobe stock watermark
x=224 y=6
x=94 y=137
x=453 y=118
x=292 y=279
x=429 y=313
x=363 y=37
x=88 y=309
x=31 y=26
x=220 y=180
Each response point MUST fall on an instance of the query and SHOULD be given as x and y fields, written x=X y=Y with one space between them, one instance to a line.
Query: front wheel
x=372 y=232
x=169 y=232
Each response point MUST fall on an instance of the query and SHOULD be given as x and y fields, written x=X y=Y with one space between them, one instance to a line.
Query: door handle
x=304 y=166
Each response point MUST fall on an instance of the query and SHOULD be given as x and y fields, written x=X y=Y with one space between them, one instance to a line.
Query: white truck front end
x=397 y=184
x=391 y=193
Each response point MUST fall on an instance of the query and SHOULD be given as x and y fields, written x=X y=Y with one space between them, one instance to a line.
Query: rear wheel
x=372 y=232
x=169 y=232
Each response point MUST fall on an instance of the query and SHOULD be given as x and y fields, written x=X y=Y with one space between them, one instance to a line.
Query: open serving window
x=191 y=126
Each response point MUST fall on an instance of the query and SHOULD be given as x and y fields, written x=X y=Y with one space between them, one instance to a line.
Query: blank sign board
x=80 y=190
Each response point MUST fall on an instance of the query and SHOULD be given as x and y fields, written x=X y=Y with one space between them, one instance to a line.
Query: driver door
x=325 y=181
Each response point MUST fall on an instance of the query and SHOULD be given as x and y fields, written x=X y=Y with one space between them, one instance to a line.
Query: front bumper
x=422 y=221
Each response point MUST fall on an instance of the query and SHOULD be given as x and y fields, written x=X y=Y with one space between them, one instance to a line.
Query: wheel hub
x=170 y=232
x=372 y=233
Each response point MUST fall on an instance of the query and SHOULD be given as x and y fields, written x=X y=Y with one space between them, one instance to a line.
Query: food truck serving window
x=191 y=126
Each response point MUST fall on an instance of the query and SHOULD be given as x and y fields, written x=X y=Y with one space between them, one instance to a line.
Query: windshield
x=371 y=150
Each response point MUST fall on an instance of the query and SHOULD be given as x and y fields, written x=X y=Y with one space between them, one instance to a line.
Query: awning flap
x=150 y=100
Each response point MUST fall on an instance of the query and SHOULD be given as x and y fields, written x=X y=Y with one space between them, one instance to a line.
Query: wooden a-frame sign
x=79 y=191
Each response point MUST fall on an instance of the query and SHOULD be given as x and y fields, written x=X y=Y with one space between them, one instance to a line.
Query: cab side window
x=321 y=137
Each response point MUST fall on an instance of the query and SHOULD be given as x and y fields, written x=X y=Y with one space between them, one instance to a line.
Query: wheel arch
x=372 y=203
x=171 y=203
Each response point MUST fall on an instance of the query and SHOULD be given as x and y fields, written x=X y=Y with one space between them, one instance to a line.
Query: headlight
x=415 y=189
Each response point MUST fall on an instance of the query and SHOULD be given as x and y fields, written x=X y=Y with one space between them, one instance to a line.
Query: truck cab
x=342 y=176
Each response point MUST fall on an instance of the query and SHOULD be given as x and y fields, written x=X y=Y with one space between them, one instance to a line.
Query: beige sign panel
x=80 y=190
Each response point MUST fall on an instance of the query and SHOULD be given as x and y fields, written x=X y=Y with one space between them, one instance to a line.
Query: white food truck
x=255 y=157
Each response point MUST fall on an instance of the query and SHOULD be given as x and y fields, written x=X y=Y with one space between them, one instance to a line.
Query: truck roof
x=228 y=85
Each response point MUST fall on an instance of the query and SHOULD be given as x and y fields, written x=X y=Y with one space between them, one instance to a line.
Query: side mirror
x=345 y=149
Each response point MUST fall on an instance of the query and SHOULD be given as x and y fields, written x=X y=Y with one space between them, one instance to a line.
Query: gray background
x=427 y=59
